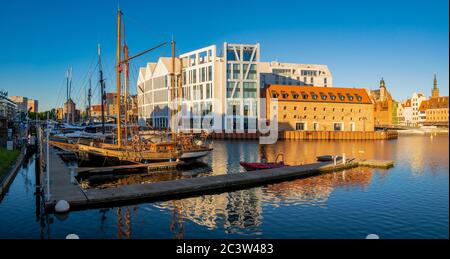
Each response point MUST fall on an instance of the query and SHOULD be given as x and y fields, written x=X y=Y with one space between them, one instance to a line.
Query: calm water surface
x=408 y=201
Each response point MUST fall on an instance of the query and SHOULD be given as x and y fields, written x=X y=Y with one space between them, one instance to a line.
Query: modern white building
x=294 y=74
x=222 y=90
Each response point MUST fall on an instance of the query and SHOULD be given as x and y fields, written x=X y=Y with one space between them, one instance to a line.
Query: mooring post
x=47 y=167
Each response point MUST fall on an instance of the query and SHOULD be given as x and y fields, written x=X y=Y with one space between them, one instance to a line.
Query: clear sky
x=361 y=41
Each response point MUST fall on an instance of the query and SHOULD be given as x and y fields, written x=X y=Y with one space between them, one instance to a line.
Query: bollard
x=72 y=175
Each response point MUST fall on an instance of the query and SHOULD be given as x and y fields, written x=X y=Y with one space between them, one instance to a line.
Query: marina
x=146 y=121
x=350 y=203
x=64 y=187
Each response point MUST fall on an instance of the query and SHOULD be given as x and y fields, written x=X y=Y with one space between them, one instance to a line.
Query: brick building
x=312 y=108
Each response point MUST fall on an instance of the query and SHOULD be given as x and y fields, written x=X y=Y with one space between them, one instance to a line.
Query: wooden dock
x=62 y=188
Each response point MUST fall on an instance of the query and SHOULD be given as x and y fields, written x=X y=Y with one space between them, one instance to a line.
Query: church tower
x=382 y=90
x=435 y=90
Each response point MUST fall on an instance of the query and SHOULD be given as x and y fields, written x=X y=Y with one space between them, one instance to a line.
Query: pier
x=63 y=185
x=314 y=135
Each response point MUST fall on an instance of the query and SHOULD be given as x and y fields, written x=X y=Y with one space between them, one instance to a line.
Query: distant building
x=96 y=111
x=111 y=100
x=60 y=114
x=385 y=108
x=409 y=113
x=418 y=117
x=294 y=74
x=405 y=113
x=7 y=108
x=22 y=103
x=436 y=111
x=69 y=111
x=311 y=108
x=435 y=90
x=33 y=105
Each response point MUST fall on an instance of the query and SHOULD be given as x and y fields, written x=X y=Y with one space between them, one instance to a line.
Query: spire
x=382 y=84
x=435 y=90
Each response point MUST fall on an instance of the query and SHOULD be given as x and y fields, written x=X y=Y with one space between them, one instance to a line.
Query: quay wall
x=315 y=135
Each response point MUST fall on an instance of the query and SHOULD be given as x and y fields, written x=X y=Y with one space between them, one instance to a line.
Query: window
x=350 y=98
x=231 y=55
x=208 y=91
x=338 y=126
x=323 y=96
x=304 y=96
x=315 y=126
x=210 y=73
x=228 y=71
x=252 y=72
x=359 y=98
x=300 y=126
x=341 y=97
x=247 y=54
x=332 y=97
x=236 y=71
x=249 y=90
x=314 y=96
x=352 y=126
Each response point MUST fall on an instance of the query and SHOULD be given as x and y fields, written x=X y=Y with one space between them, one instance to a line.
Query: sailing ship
x=133 y=147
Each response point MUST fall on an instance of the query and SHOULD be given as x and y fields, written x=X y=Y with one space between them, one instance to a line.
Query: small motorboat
x=326 y=158
x=263 y=165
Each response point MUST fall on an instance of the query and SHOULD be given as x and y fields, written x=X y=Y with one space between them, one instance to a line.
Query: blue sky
x=361 y=41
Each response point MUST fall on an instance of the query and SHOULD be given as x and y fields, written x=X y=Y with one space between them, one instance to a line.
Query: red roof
x=318 y=94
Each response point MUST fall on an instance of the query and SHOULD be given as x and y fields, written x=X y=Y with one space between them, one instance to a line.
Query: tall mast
x=125 y=48
x=102 y=88
x=179 y=93
x=67 y=97
x=119 y=131
x=172 y=110
x=89 y=102
x=67 y=85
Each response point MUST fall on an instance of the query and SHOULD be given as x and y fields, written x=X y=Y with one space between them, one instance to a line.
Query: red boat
x=263 y=165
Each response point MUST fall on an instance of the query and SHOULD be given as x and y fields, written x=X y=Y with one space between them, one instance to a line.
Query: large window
x=300 y=126
x=247 y=54
x=231 y=55
x=252 y=72
x=249 y=90
x=230 y=86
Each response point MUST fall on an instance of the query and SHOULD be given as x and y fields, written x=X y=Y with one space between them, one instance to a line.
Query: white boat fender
x=72 y=236
x=372 y=236
x=62 y=206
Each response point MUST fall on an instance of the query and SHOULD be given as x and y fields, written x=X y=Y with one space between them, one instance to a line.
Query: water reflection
x=399 y=203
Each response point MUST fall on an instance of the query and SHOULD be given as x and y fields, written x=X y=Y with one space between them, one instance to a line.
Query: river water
x=410 y=200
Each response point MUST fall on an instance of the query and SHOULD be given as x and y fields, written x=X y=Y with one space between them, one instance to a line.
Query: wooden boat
x=262 y=165
x=128 y=144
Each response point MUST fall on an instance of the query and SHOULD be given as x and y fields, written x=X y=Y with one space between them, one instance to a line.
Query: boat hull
x=260 y=166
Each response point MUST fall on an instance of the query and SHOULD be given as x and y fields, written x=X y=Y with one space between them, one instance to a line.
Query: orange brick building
x=312 y=108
